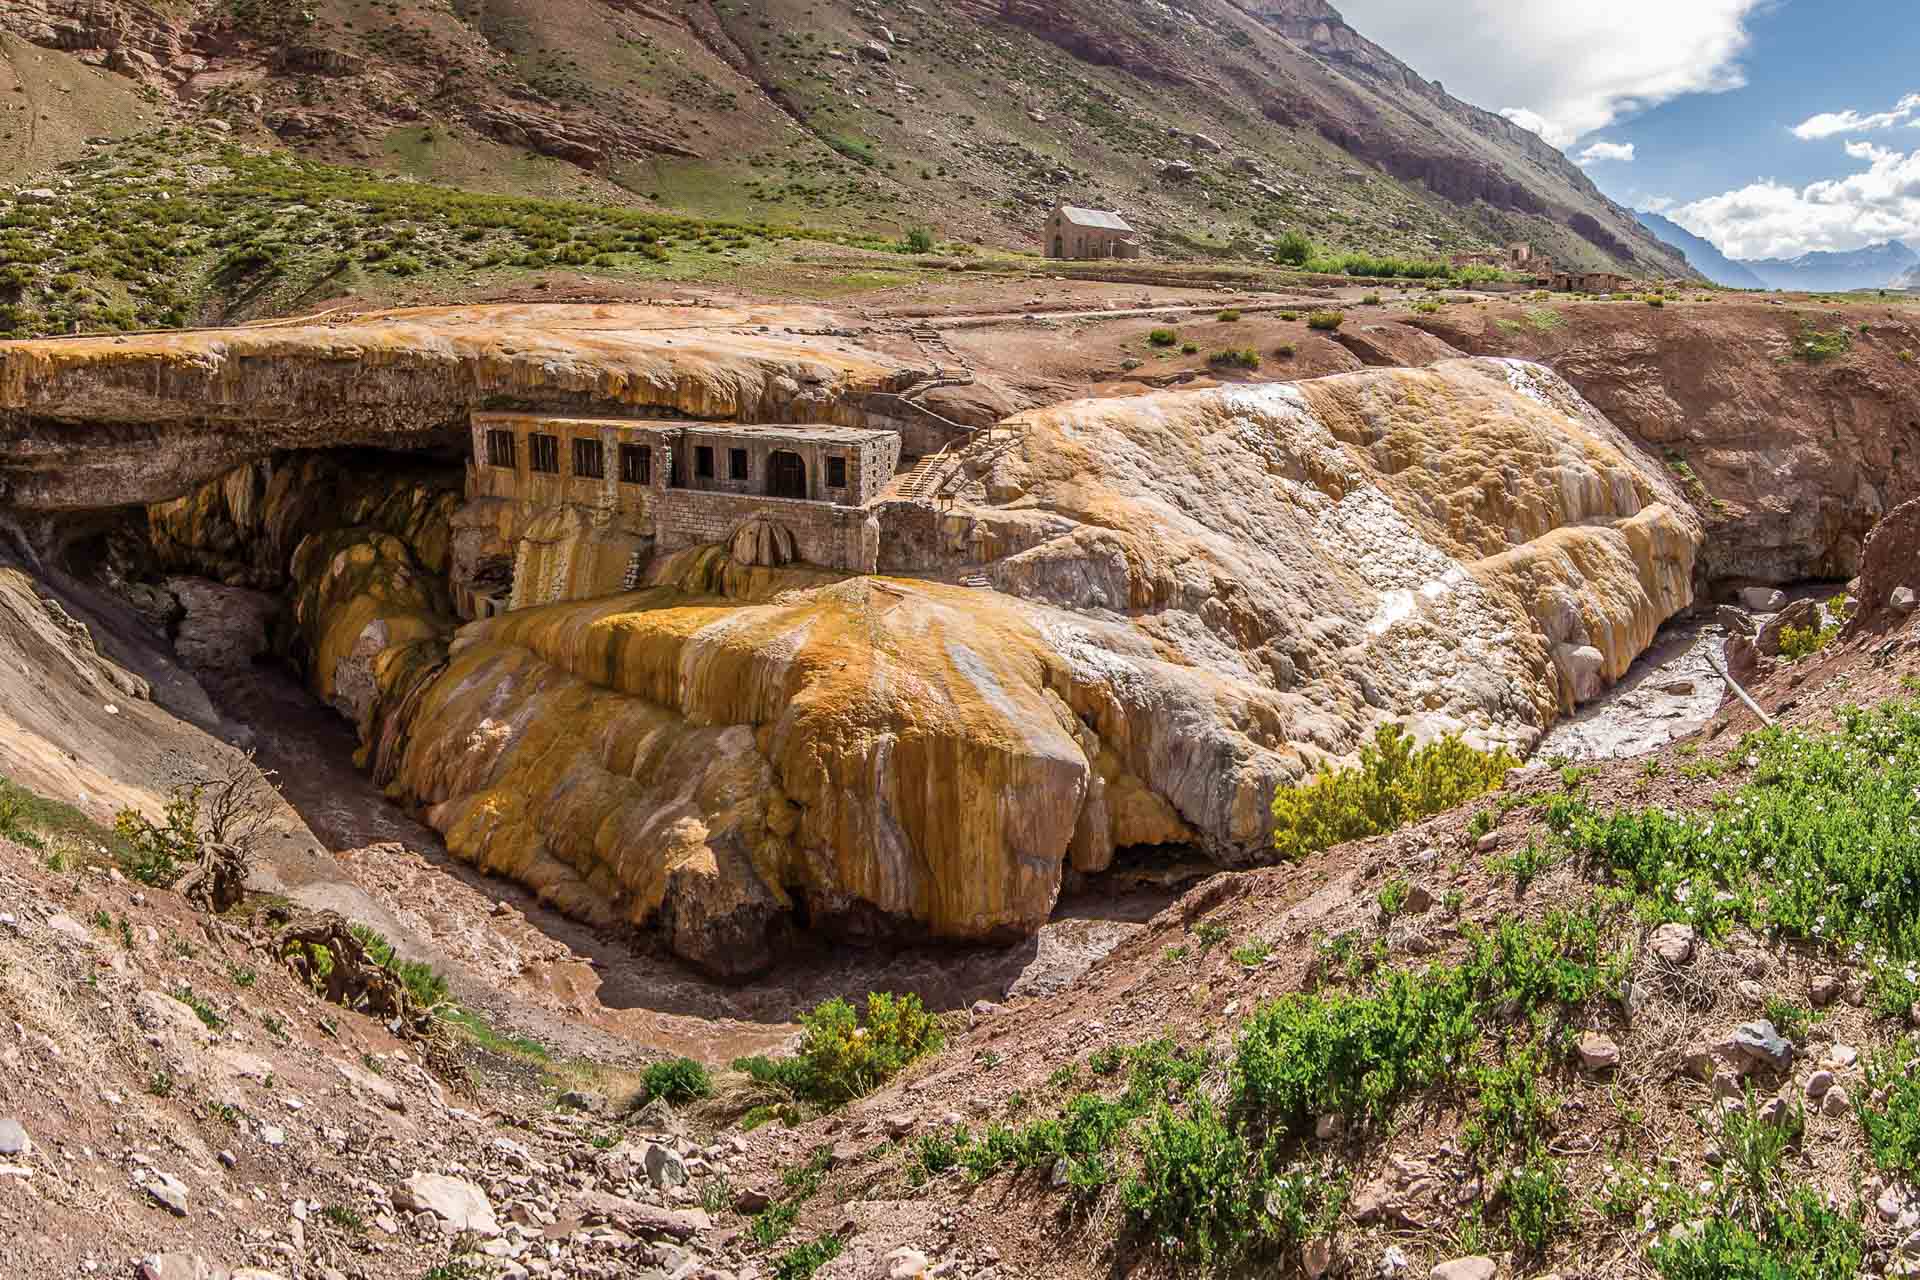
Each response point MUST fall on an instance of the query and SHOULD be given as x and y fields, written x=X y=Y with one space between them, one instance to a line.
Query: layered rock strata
x=1199 y=597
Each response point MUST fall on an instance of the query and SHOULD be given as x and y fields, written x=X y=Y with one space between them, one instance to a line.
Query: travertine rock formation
x=100 y=422
x=1200 y=596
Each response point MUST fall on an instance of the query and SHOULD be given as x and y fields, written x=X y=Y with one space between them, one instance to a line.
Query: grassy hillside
x=179 y=227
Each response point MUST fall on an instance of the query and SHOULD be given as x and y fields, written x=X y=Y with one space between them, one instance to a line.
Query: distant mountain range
x=1875 y=267
x=1702 y=256
x=1889 y=264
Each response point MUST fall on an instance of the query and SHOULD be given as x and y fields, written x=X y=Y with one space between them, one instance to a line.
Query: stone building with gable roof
x=1073 y=232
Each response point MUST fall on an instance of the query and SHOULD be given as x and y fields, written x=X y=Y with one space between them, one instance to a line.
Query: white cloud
x=1658 y=204
x=1769 y=219
x=1831 y=124
x=1564 y=68
x=1621 y=151
x=1867 y=151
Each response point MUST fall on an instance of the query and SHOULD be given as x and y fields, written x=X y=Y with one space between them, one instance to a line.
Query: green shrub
x=802 y=1261
x=1293 y=249
x=1285 y=351
x=1792 y=1236
x=1189 y=348
x=1163 y=337
x=423 y=982
x=1197 y=1193
x=1393 y=784
x=918 y=240
x=161 y=852
x=1325 y=321
x=846 y=1055
x=1803 y=642
x=1814 y=346
x=1371 y=300
x=1822 y=845
x=1235 y=358
x=1229 y=316
x=677 y=1080
x=1539 y=1206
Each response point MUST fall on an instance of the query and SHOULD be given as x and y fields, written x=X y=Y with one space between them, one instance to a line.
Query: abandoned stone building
x=1089 y=233
x=590 y=501
x=1589 y=282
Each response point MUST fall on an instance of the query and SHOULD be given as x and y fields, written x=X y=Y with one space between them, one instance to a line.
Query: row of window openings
x=636 y=460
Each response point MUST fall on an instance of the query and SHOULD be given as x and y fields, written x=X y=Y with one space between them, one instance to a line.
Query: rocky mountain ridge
x=1878 y=266
x=1214 y=126
x=1702 y=254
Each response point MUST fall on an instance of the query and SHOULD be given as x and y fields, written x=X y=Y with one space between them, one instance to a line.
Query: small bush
x=1393 y=784
x=1163 y=337
x=846 y=1055
x=1814 y=346
x=802 y=1261
x=1196 y=1195
x=1326 y=321
x=1371 y=300
x=1189 y=348
x=918 y=240
x=677 y=1080
x=1294 y=249
x=162 y=852
x=1285 y=351
x=1803 y=642
x=1235 y=358
x=1229 y=316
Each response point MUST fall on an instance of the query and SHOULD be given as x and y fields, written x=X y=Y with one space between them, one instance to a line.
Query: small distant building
x=1590 y=282
x=1089 y=233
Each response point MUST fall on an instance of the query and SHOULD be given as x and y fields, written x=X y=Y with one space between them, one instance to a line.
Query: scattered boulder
x=877 y=51
x=904 y=1264
x=1672 y=943
x=1902 y=600
x=1598 y=1052
x=1803 y=615
x=1738 y=622
x=1835 y=1101
x=1759 y=1043
x=458 y=1203
x=1477 y=1267
x=13 y=1138
x=1819 y=1084
x=1762 y=599
x=664 y=1166
x=170 y=1193
x=1824 y=989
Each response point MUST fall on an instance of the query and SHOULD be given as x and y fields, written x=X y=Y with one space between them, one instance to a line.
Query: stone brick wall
x=829 y=536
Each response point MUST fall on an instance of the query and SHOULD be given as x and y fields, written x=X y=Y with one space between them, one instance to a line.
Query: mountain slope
x=1215 y=126
x=1702 y=255
x=1877 y=266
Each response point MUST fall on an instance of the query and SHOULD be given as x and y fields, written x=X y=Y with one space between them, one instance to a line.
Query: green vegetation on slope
x=176 y=228
x=1394 y=783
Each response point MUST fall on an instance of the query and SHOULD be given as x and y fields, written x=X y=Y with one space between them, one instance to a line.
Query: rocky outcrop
x=1792 y=461
x=93 y=423
x=1200 y=596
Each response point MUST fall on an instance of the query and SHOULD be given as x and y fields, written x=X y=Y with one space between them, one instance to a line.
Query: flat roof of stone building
x=775 y=433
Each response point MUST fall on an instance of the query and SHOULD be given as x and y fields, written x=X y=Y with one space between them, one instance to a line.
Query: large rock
x=1802 y=615
x=456 y=1202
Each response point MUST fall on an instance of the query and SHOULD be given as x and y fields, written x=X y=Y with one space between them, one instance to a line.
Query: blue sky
x=1692 y=106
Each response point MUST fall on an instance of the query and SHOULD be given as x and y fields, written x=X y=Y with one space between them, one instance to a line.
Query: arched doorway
x=786 y=475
